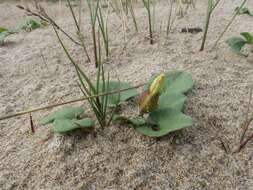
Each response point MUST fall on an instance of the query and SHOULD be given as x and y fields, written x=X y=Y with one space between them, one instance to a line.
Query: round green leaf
x=167 y=120
x=236 y=44
x=67 y=125
x=85 y=123
x=63 y=126
x=117 y=98
x=174 y=100
x=176 y=82
x=65 y=113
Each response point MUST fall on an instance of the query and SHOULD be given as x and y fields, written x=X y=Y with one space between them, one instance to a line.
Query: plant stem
x=81 y=38
x=147 y=6
x=169 y=18
x=210 y=9
x=133 y=15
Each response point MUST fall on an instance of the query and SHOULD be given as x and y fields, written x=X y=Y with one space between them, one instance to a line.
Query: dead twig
x=69 y=102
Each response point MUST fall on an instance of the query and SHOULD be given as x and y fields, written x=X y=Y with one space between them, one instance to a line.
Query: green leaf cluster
x=237 y=43
x=28 y=24
x=68 y=119
x=167 y=116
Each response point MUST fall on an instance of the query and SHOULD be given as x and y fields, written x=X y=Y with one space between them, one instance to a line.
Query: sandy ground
x=118 y=157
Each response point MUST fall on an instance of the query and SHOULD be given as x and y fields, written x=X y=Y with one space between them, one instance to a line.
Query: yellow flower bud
x=148 y=100
x=157 y=84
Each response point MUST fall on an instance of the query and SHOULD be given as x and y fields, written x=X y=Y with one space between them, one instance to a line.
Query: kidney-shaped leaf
x=65 y=113
x=174 y=100
x=176 y=82
x=117 y=98
x=67 y=125
x=85 y=123
x=236 y=44
x=167 y=120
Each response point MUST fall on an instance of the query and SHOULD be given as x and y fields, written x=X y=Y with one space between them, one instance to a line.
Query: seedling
x=237 y=43
x=163 y=101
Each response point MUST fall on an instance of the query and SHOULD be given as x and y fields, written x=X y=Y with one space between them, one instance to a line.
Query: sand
x=118 y=157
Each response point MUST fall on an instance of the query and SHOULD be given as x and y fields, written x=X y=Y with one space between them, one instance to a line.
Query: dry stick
x=229 y=23
x=31 y=123
x=69 y=102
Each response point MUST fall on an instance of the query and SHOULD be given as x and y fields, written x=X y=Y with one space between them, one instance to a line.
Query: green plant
x=147 y=5
x=102 y=85
x=212 y=4
x=165 y=115
x=237 y=12
x=237 y=43
x=68 y=119
x=28 y=24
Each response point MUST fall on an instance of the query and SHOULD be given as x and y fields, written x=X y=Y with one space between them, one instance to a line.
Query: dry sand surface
x=118 y=157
